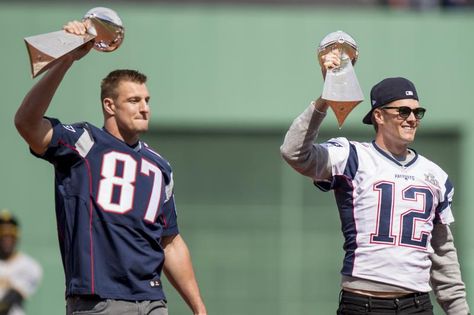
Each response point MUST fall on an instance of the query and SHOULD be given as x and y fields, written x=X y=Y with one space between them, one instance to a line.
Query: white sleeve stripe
x=84 y=143
x=169 y=188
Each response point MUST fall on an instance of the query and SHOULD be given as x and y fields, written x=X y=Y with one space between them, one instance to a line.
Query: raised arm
x=29 y=120
x=298 y=148
x=178 y=269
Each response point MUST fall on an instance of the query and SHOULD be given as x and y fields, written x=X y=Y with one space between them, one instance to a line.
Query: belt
x=398 y=303
x=84 y=297
x=377 y=294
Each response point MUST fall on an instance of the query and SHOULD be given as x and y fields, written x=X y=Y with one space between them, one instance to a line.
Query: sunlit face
x=394 y=128
x=131 y=109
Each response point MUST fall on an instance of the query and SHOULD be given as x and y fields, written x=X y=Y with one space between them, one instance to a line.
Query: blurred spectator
x=411 y=4
x=20 y=274
x=453 y=4
x=422 y=5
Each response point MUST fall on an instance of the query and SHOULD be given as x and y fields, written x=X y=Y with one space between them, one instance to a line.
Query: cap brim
x=368 y=118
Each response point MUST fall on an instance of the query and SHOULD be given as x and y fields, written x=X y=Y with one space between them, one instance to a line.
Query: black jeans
x=356 y=304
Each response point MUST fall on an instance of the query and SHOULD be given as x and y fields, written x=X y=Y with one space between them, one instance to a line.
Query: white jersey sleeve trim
x=84 y=143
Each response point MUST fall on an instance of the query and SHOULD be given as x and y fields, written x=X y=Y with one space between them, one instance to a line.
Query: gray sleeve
x=300 y=151
x=446 y=274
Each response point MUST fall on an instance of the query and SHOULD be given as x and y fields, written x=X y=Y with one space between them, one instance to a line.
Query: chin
x=410 y=135
x=142 y=127
x=409 y=139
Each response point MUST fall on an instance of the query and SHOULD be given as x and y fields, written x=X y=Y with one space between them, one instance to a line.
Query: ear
x=378 y=116
x=108 y=106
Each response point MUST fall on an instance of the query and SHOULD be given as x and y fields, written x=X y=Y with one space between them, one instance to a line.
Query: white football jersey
x=387 y=212
x=22 y=273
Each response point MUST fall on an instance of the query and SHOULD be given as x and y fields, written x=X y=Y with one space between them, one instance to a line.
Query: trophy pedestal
x=46 y=48
x=342 y=91
x=342 y=110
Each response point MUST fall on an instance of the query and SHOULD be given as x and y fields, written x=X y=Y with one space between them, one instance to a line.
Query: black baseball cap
x=389 y=90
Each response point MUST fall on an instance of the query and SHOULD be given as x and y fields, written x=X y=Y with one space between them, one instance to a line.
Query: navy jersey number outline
x=385 y=216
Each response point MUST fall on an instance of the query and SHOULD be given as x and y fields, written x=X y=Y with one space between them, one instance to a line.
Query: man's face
x=132 y=111
x=7 y=246
x=395 y=128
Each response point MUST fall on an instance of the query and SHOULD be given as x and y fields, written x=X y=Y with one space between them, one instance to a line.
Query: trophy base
x=342 y=109
x=45 y=49
x=342 y=91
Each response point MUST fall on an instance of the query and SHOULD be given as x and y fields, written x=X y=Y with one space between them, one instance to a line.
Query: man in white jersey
x=20 y=275
x=394 y=205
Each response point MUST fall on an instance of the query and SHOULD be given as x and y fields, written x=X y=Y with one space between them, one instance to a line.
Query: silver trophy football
x=341 y=87
x=105 y=28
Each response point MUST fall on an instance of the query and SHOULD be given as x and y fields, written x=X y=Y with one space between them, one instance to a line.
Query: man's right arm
x=299 y=149
x=36 y=130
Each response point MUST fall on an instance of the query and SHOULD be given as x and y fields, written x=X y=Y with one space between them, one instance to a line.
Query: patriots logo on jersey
x=333 y=144
x=69 y=127
x=405 y=177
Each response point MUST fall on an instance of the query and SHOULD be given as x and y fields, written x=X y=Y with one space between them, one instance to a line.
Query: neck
x=115 y=131
x=399 y=151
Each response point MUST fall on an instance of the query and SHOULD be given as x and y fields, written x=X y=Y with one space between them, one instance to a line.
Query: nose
x=411 y=117
x=144 y=107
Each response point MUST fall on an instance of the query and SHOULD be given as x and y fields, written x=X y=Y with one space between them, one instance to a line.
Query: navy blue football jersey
x=113 y=204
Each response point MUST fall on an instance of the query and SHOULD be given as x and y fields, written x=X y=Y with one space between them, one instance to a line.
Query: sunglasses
x=405 y=111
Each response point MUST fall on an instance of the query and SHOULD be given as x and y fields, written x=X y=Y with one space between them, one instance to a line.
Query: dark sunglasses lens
x=404 y=111
x=419 y=112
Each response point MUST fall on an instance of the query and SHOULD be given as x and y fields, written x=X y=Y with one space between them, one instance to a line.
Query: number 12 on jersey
x=408 y=234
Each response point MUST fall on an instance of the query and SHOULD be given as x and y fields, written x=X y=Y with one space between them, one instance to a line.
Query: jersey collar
x=391 y=158
x=135 y=147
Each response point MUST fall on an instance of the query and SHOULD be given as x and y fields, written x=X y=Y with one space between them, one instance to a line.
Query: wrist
x=199 y=309
x=65 y=62
x=320 y=105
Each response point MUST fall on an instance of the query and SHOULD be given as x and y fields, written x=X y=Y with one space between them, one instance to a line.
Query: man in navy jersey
x=115 y=206
x=394 y=205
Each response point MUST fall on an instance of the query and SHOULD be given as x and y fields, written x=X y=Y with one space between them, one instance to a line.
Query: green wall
x=226 y=82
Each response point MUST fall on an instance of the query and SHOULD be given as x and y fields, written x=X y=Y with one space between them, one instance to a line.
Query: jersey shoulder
x=28 y=263
x=433 y=174
x=343 y=142
x=71 y=127
x=71 y=132
x=431 y=166
x=336 y=142
x=152 y=154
